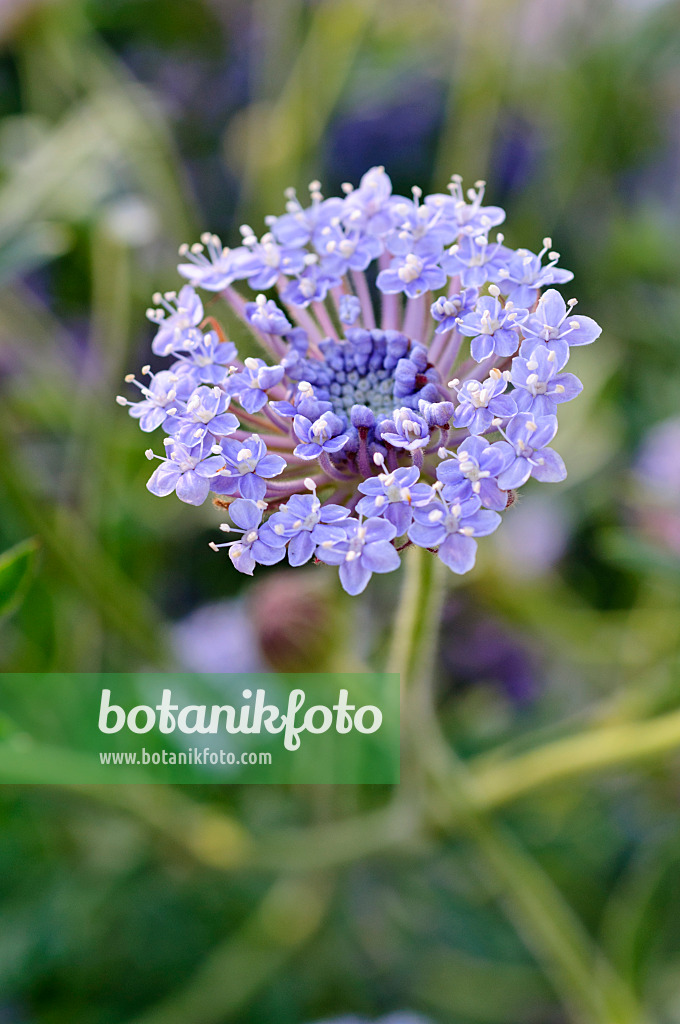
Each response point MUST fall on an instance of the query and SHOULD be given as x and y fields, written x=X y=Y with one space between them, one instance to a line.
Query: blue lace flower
x=539 y=387
x=526 y=452
x=252 y=547
x=251 y=385
x=186 y=471
x=204 y=415
x=159 y=401
x=303 y=523
x=365 y=548
x=449 y=309
x=494 y=328
x=247 y=468
x=372 y=311
x=524 y=274
x=480 y=404
x=393 y=496
x=450 y=529
x=178 y=318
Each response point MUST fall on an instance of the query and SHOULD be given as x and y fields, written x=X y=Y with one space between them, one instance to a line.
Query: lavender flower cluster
x=353 y=439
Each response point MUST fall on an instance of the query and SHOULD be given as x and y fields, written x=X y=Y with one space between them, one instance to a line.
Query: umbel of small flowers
x=411 y=372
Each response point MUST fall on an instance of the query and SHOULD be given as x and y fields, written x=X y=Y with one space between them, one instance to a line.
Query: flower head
x=349 y=437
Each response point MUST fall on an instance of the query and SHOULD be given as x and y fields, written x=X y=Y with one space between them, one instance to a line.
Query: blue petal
x=380 y=556
x=354 y=576
x=251 y=486
x=458 y=553
x=245 y=514
x=163 y=480
x=515 y=475
x=192 y=489
x=301 y=548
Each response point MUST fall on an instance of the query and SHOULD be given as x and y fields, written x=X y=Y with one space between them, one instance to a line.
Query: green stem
x=585 y=981
x=609 y=746
x=249 y=959
x=412 y=654
x=416 y=626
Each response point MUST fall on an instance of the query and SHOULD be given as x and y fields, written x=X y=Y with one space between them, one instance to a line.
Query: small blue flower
x=368 y=207
x=267 y=260
x=523 y=275
x=451 y=529
x=554 y=321
x=539 y=388
x=177 y=320
x=494 y=329
x=310 y=286
x=345 y=250
x=252 y=547
x=266 y=316
x=211 y=358
x=448 y=310
x=393 y=495
x=205 y=414
x=410 y=430
x=475 y=261
x=411 y=274
x=473 y=471
x=303 y=523
x=479 y=404
x=187 y=471
x=213 y=271
x=159 y=401
x=473 y=218
x=296 y=227
x=247 y=469
x=303 y=403
x=525 y=452
x=326 y=434
x=349 y=309
x=422 y=229
x=365 y=549
x=250 y=386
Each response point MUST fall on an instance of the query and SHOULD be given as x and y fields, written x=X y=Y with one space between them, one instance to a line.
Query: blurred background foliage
x=542 y=885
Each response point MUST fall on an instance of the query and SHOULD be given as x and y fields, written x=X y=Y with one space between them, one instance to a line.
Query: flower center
x=246 y=461
x=412 y=269
x=377 y=369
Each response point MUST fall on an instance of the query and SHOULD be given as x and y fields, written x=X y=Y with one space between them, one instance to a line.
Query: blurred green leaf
x=16 y=571
x=631 y=552
x=487 y=991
